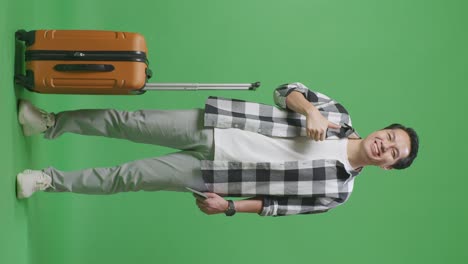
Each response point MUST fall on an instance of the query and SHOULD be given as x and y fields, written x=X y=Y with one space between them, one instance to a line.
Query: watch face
x=230 y=212
x=231 y=209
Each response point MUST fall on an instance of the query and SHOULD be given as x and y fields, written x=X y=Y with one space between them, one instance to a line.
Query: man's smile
x=375 y=149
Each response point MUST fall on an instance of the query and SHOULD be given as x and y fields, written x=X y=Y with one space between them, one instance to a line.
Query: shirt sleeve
x=283 y=206
x=284 y=90
x=328 y=107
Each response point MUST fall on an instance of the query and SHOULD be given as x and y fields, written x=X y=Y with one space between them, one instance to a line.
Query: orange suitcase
x=84 y=62
x=93 y=62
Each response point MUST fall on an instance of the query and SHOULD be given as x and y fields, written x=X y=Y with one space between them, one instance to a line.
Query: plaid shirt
x=289 y=187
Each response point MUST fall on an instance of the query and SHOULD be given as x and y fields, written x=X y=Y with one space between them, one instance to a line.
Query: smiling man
x=301 y=158
x=387 y=148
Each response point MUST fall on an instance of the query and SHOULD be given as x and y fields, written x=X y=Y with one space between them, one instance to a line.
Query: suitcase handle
x=84 y=67
x=201 y=86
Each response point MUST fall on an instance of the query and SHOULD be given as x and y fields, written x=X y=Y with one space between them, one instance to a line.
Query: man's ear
x=386 y=167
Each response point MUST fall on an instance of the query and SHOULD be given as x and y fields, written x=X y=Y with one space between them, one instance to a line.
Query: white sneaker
x=33 y=119
x=31 y=181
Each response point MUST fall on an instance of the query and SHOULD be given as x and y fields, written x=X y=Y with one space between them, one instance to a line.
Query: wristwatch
x=231 y=210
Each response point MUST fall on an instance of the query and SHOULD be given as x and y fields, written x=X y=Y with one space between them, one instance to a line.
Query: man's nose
x=386 y=145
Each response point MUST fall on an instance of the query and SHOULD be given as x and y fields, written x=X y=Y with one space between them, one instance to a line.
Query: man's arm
x=277 y=206
x=216 y=204
x=316 y=123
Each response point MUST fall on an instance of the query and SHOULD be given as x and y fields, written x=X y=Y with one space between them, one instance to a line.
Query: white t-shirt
x=240 y=145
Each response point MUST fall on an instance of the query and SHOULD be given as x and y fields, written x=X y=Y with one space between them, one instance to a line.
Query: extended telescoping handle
x=202 y=86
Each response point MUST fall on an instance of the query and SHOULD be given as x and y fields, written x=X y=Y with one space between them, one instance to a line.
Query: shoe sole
x=23 y=105
x=21 y=110
x=19 y=190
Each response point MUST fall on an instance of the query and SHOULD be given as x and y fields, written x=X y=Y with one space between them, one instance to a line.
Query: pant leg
x=172 y=172
x=179 y=129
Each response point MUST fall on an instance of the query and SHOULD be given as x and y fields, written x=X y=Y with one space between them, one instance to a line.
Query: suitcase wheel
x=20 y=79
x=25 y=80
x=27 y=36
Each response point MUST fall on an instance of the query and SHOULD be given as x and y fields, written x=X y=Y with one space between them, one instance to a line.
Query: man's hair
x=414 y=139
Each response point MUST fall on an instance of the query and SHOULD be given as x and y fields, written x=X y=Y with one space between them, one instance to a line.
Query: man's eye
x=389 y=137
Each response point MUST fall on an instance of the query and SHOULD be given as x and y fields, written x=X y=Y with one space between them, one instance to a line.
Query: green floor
x=387 y=61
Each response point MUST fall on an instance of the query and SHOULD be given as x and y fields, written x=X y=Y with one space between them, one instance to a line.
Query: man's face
x=384 y=148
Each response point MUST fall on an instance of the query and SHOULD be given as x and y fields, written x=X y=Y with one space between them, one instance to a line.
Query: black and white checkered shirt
x=289 y=187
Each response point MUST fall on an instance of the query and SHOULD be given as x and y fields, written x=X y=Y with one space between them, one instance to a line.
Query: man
x=299 y=159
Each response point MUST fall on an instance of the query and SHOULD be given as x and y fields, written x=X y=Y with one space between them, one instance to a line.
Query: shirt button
x=236 y=125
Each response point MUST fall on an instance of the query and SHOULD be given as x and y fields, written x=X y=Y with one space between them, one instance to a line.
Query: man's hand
x=214 y=204
x=317 y=125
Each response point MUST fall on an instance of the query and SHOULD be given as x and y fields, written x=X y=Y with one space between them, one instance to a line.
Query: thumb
x=333 y=125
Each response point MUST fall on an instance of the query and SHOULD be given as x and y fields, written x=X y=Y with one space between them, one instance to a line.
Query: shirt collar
x=347 y=131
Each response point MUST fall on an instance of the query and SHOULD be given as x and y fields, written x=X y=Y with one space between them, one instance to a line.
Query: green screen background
x=386 y=61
